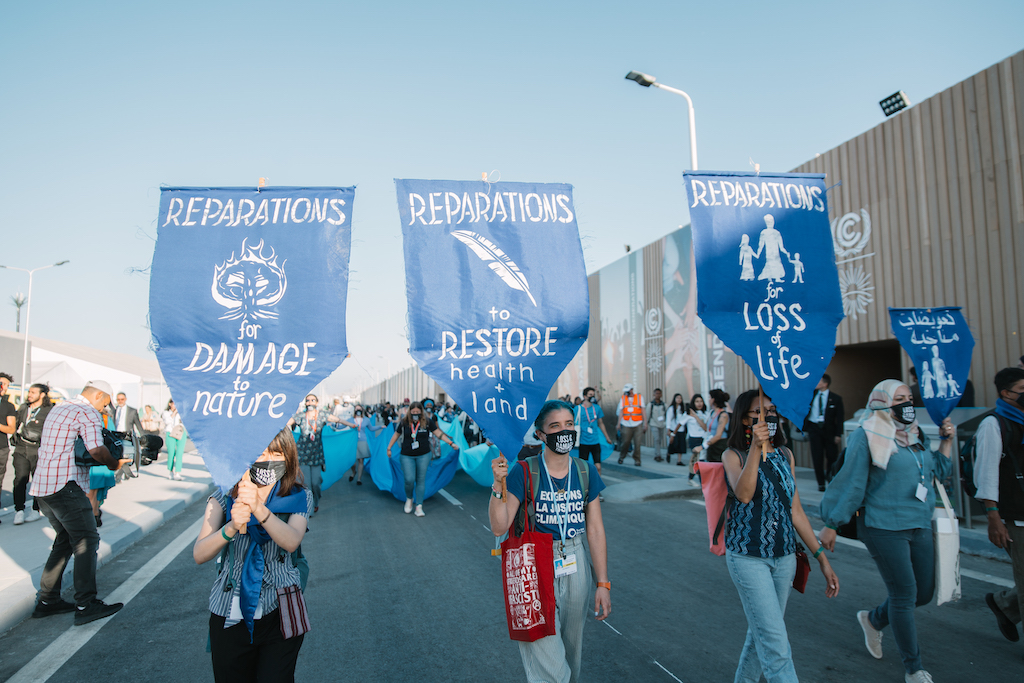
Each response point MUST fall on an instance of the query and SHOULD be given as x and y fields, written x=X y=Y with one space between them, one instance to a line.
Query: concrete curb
x=654 y=489
x=18 y=600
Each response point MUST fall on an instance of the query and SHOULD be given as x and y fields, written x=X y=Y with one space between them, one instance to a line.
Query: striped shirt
x=764 y=526
x=56 y=465
x=279 y=571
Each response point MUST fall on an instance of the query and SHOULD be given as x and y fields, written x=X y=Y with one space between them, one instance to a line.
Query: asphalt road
x=397 y=598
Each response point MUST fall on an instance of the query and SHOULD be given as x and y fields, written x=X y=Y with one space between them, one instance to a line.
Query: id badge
x=922 y=492
x=590 y=430
x=415 y=445
x=565 y=566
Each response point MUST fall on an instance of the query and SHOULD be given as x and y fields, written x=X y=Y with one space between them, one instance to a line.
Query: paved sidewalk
x=133 y=508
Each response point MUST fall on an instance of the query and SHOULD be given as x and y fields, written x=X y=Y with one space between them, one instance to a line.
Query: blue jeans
x=415 y=466
x=764 y=585
x=906 y=561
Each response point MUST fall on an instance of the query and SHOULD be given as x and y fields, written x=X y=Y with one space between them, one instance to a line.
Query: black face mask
x=904 y=412
x=266 y=473
x=773 y=425
x=561 y=442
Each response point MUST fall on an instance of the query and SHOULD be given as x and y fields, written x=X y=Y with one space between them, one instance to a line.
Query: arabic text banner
x=940 y=344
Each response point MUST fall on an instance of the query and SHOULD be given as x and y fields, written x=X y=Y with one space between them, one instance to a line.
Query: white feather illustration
x=496 y=260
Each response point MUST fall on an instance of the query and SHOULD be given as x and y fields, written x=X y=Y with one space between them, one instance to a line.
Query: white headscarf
x=884 y=434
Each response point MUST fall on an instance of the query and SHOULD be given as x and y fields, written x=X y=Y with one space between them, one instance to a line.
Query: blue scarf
x=253 y=564
x=1011 y=413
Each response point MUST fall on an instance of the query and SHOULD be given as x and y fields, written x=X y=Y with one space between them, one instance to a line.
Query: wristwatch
x=604 y=584
x=496 y=494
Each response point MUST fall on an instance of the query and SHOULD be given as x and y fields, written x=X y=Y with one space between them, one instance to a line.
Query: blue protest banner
x=940 y=344
x=247 y=309
x=497 y=291
x=767 y=282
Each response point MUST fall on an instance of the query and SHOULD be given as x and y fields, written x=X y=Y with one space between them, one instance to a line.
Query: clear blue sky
x=102 y=103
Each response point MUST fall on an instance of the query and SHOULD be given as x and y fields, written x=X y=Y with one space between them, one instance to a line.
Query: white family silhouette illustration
x=945 y=385
x=770 y=244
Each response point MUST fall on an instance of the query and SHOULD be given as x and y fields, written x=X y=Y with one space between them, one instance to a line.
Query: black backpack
x=114 y=441
x=969 y=454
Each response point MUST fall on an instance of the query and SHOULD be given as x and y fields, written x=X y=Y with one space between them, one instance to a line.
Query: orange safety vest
x=632 y=408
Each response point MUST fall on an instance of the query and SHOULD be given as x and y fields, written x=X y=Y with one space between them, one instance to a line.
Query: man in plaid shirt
x=60 y=485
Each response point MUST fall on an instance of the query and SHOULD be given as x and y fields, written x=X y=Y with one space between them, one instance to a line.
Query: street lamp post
x=647 y=81
x=28 y=313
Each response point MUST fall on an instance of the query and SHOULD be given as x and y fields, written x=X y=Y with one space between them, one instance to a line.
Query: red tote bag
x=528 y=577
x=716 y=499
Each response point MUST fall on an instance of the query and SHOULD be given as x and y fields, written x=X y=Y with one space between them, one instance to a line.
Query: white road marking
x=667 y=671
x=605 y=622
x=450 y=498
x=54 y=656
x=978 y=576
x=614 y=480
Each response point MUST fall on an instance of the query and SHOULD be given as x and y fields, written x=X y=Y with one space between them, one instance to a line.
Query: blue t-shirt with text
x=548 y=509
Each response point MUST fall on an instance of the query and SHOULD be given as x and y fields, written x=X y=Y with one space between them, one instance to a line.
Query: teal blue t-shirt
x=590 y=432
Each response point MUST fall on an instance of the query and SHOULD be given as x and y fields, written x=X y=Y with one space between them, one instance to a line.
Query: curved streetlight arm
x=693 y=123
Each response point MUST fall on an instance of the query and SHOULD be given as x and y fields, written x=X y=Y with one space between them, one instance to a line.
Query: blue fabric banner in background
x=497 y=291
x=767 y=282
x=247 y=310
x=940 y=344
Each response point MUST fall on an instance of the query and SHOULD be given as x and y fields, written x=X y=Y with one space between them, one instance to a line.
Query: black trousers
x=824 y=452
x=70 y=515
x=268 y=659
x=25 y=458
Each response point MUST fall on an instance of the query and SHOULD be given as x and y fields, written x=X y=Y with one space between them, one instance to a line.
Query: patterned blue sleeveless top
x=764 y=526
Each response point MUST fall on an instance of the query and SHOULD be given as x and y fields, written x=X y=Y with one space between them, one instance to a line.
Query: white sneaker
x=873 y=641
x=32 y=515
x=408 y=505
x=419 y=511
x=19 y=517
x=919 y=676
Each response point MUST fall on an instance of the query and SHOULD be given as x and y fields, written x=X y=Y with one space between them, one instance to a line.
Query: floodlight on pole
x=894 y=103
x=28 y=313
x=646 y=80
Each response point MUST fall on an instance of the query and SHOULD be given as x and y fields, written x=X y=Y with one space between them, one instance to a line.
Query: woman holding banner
x=361 y=424
x=415 y=430
x=255 y=600
x=887 y=474
x=765 y=517
x=560 y=478
x=311 y=423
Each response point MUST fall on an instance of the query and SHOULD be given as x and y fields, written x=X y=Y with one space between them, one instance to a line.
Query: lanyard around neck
x=562 y=519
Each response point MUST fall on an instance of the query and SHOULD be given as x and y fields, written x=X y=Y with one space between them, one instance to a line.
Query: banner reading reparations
x=497 y=290
x=767 y=282
x=247 y=310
